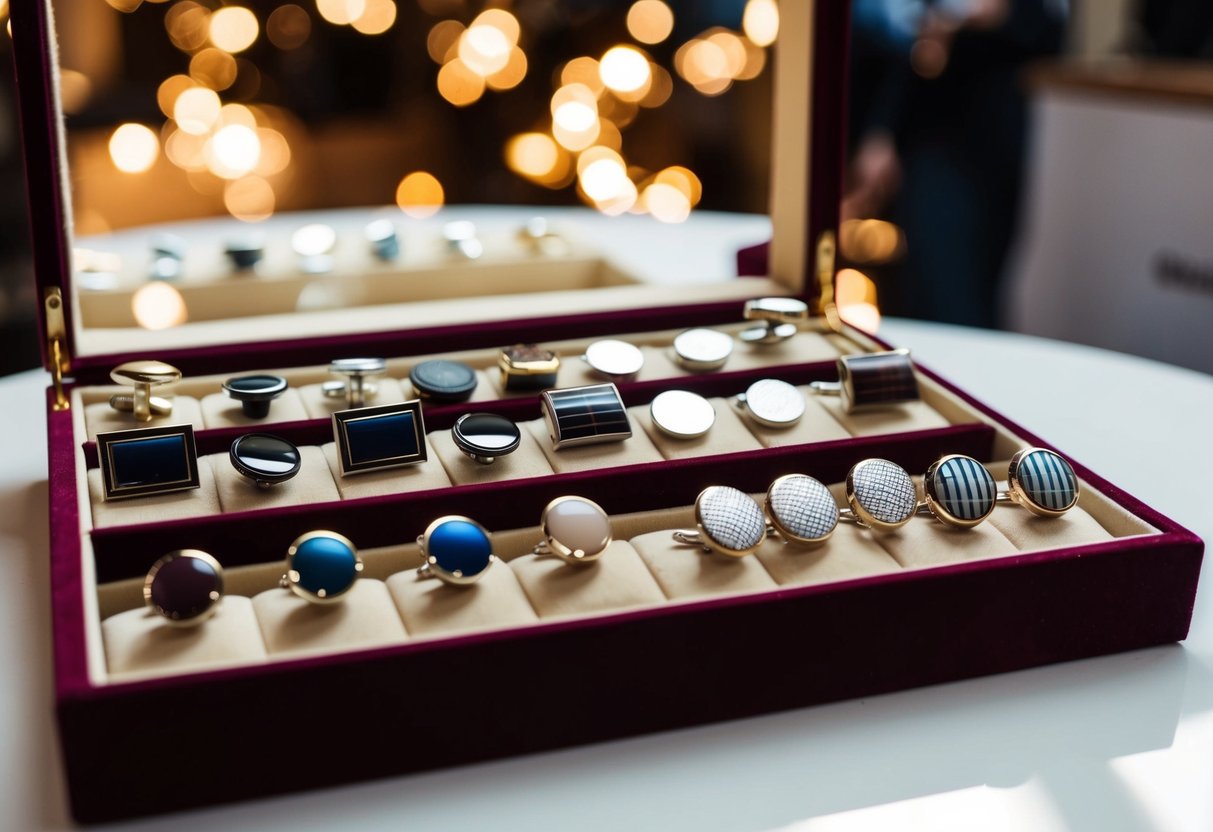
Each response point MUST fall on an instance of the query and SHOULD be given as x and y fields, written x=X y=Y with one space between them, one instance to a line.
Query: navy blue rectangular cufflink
x=144 y=461
x=386 y=436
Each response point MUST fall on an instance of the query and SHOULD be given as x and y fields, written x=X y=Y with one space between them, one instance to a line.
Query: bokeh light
x=869 y=241
x=133 y=148
x=188 y=25
x=376 y=18
x=170 y=90
x=157 y=305
x=420 y=195
x=460 y=85
x=213 y=68
x=624 y=70
x=485 y=46
x=666 y=203
x=233 y=28
x=443 y=40
x=196 y=109
x=650 y=21
x=233 y=151
x=249 y=199
x=341 y=12
x=855 y=296
x=288 y=27
x=760 y=21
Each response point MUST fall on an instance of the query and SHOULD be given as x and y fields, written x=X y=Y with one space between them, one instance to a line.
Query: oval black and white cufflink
x=461 y=240
x=527 y=368
x=455 y=549
x=681 y=414
x=801 y=509
x=575 y=529
x=1042 y=481
x=702 y=350
x=485 y=436
x=265 y=460
x=614 y=359
x=771 y=403
x=778 y=319
x=383 y=239
x=185 y=587
x=588 y=415
x=439 y=380
x=321 y=567
x=871 y=380
x=357 y=388
x=728 y=522
x=959 y=491
x=880 y=494
x=255 y=392
x=314 y=244
x=144 y=377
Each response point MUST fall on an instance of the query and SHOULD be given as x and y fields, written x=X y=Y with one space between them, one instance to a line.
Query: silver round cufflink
x=728 y=522
x=575 y=529
x=461 y=240
x=771 y=403
x=702 y=350
x=777 y=319
x=455 y=549
x=614 y=359
x=144 y=377
x=485 y=436
x=880 y=494
x=801 y=509
x=357 y=388
x=314 y=244
x=1042 y=481
x=383 y=239
x=681 y=414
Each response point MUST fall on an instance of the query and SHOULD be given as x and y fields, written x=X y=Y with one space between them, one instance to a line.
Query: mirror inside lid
x=254 y=171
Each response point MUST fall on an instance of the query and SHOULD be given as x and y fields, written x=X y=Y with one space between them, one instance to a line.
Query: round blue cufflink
x=456 y=549
x=321 y=566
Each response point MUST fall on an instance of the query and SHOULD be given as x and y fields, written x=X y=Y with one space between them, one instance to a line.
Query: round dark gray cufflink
x=357 y=371
x=778 y=320
x=245 y=251
x=485 y=436
x=702 y=350
x=461 y=240
x=771 y=403
x=383 y=239
x=443 y=381
x=255 y=392
x=614 y=359
x=682 y=414
x=184 y=586
x=265 y=460
x=144 y=376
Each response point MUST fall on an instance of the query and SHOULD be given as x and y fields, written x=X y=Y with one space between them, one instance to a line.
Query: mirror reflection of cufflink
x=144 y=376
x=778 y=318
x=255 y=392
x=185 y=587
x=356 y=388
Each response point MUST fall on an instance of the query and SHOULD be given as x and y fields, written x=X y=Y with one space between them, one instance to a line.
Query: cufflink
x=778 y=320
x=461 y=240
x=614 y=359
x=771 y=403
x=265 y=460
x=244 y=251
x=801 y=509
x=144 y=376
x=185 y=587
x=537 y=237
x=255 y=392
x=1041 y=481
x=383 y=239
x=880 y=494
x=527 y=367
x=702 y=350
x=586 y=415
x=443 y=381
x=872 y=380
x=321 y=567
x=959 y=491
x=485 y=436
x=681 y=414
x=147 y=461
x=371 y=438
x=727 y=522
x=356 y=388
x=455 y=549
x=168 y=257
x=314 y=244
x=575 y=529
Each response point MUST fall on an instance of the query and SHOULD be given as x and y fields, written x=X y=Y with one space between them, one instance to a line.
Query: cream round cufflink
x=614 y=359
x=356 y=389
x=456 y=550
x=321 y=567
x=728 y=522
x=880 y=494
x=575 y=529
x=771 y=403
x=1042 y=481
x=702 y=350
x=801 y=510
x=185 y=587
x=870 y=380
x=681 y=414
x=778 y=320
x=144 y=376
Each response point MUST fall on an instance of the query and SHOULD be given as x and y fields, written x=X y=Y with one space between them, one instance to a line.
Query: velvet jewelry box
x=654 y=636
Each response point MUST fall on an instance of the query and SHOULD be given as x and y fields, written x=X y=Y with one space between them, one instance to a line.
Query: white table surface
x=1116 y=743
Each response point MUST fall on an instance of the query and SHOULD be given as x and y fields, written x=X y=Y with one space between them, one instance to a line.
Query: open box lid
x=806 y=170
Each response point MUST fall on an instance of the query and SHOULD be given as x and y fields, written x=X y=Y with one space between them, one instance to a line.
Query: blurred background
x=179 y=109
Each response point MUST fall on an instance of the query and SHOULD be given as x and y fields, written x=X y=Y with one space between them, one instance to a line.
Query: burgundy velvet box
x=689 y=663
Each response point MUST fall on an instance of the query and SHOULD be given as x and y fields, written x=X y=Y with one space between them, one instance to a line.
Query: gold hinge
x=826 y=307
x=57 y=355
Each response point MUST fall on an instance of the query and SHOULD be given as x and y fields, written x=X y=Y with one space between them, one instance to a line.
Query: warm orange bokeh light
x=420 y=195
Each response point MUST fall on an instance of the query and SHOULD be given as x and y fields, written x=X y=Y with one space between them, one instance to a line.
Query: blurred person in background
x=1175 y=28
x=938 y=123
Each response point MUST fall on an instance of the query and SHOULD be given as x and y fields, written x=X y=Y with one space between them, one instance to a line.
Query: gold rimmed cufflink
x=880 y=494
x=1042 y=481
x=872 y=380
x=184 y=587
x=455 y=549
x=144 y=377
x=527 y=368
x=321 y=567
x=959 y=491
x=575 y=529
x=727 y=522
x=801 y=510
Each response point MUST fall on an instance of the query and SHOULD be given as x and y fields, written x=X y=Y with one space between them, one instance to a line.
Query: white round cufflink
x=801 y=509
x=681 y=414
x=575 y=529
x=144 y=376
x=771 y=403
x=702 y=350
x=614 y=359
x=728 y=522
